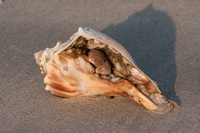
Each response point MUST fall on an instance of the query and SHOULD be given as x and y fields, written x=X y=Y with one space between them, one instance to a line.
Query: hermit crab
x=91 y=63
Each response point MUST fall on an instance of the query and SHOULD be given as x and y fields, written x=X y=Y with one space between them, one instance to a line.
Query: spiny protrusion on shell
x=89 y=66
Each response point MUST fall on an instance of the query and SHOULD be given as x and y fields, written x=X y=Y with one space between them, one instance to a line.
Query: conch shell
x=91 y=63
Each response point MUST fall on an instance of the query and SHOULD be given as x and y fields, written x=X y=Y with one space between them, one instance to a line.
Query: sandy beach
x=163 y=37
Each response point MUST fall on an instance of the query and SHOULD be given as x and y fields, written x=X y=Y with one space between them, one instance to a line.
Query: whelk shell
x=91 y=63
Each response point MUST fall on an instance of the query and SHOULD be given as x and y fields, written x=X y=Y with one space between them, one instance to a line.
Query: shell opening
x=88 y=65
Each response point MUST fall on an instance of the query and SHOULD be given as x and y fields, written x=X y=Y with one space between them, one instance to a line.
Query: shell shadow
x=149 y=36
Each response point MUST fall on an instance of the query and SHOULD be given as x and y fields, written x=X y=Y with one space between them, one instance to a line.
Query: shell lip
x=92 y=34
x=89 y=33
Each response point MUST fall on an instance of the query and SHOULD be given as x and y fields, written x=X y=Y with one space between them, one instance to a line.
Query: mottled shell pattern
x=91 y=63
